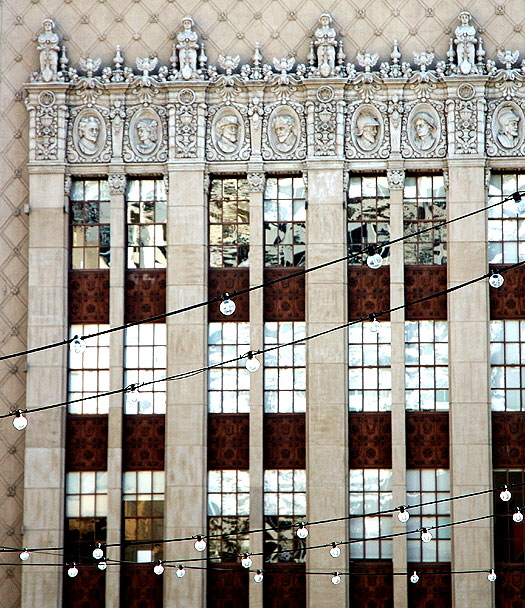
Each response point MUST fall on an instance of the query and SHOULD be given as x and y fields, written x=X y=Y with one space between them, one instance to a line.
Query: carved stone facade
x=116 y=92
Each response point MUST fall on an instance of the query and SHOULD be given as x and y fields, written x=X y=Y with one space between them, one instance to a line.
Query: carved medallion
x=227 y=131
x=423 y=130
x=367 y=128
x=145 y=132
x=506 y=128
x=89 y=138
x=283 y=130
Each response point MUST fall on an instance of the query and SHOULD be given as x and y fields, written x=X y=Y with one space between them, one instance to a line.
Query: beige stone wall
x=145 y=27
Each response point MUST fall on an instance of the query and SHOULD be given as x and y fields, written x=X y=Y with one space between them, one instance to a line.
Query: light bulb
x=252 y=363
x=24 y=556
x=19 y=421
x=200 y=543
x=158 y=568
x=426 y=537
x=492 y=575
x=302 y=532
x=77 y=345
x=374 y=326
x=258 y=576
x=374 y=261
x=520 y=204
x=97 y=552
x=227 y=306
x=246 y=561
x=335 y=551
x=505 y=494
x=495 y=279
x=102 y=565
x=336 y=579
x=414 y=578
x=180 y=572
x=73 y=571
x=403 y=515
x=518 y=516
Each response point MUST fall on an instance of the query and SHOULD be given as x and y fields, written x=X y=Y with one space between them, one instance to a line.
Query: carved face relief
x=145 y=132
x=227 y=131
x=507 y=126
x=283 y=131
x=423 y=129
x=367 y=129
x=89 y=133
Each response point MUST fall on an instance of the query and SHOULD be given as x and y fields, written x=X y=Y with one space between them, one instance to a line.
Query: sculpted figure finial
x=187 y=47
x=465 y=44
x=325 y=44
x=49 y=49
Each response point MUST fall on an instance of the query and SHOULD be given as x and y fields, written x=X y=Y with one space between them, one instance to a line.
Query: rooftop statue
x=325 y=44
x=187 y=46
x=465 y=41
x=48 y=47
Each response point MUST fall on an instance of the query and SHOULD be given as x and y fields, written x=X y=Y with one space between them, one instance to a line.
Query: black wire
x=262 y=285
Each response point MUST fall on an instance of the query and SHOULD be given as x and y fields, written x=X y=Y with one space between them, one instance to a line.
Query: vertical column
x=46 y=383
x=117 y=186
x=186 y=416
x=470 y=430
x=256 y=182
x=327 y=410
x=396 y=180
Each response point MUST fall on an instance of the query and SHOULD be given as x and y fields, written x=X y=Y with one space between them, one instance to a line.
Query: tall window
x=426 y=365
x=143 y=496
x=368 y=213
x=146 y=213
x=370 y=492
x=507 y=359
x=229 y=217
x=89 y=372
x=429 y=485
x=89 y=202
x=284 y=222
x=228 y=385
x=369 y=374
x=86 y=511
x=144 y=361
x=284 y=506
x=284 y=368
x=424 y=207
x=228 y=514
x=509 y=537
x=506 y=230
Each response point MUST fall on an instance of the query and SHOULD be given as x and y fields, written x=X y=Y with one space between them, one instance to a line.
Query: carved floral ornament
x=323 y=107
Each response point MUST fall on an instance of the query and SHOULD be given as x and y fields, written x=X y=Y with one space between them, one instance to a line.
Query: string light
x=77 y=346
x=158 y=568
x=19 y=421
x=414 y=578
x=200 y=543
x=24 y=556
x=518 y=516
x=374 y=259
x=181 y=571
x=102 y=565
x=97 y=552
x=505 y=494
x=258 y=577
x=336 y=578
x=492 y=576
x=73 y=571
x=227 y=306
x=496 y=280
x=354 y=256
x=335 y=551
x=426 y=536
x=403 y=514
x=302 y=531
x=252 y=363
x=246 y=561
x=374 y=326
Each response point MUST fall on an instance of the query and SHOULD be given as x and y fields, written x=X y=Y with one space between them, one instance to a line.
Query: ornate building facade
x=159 y=157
